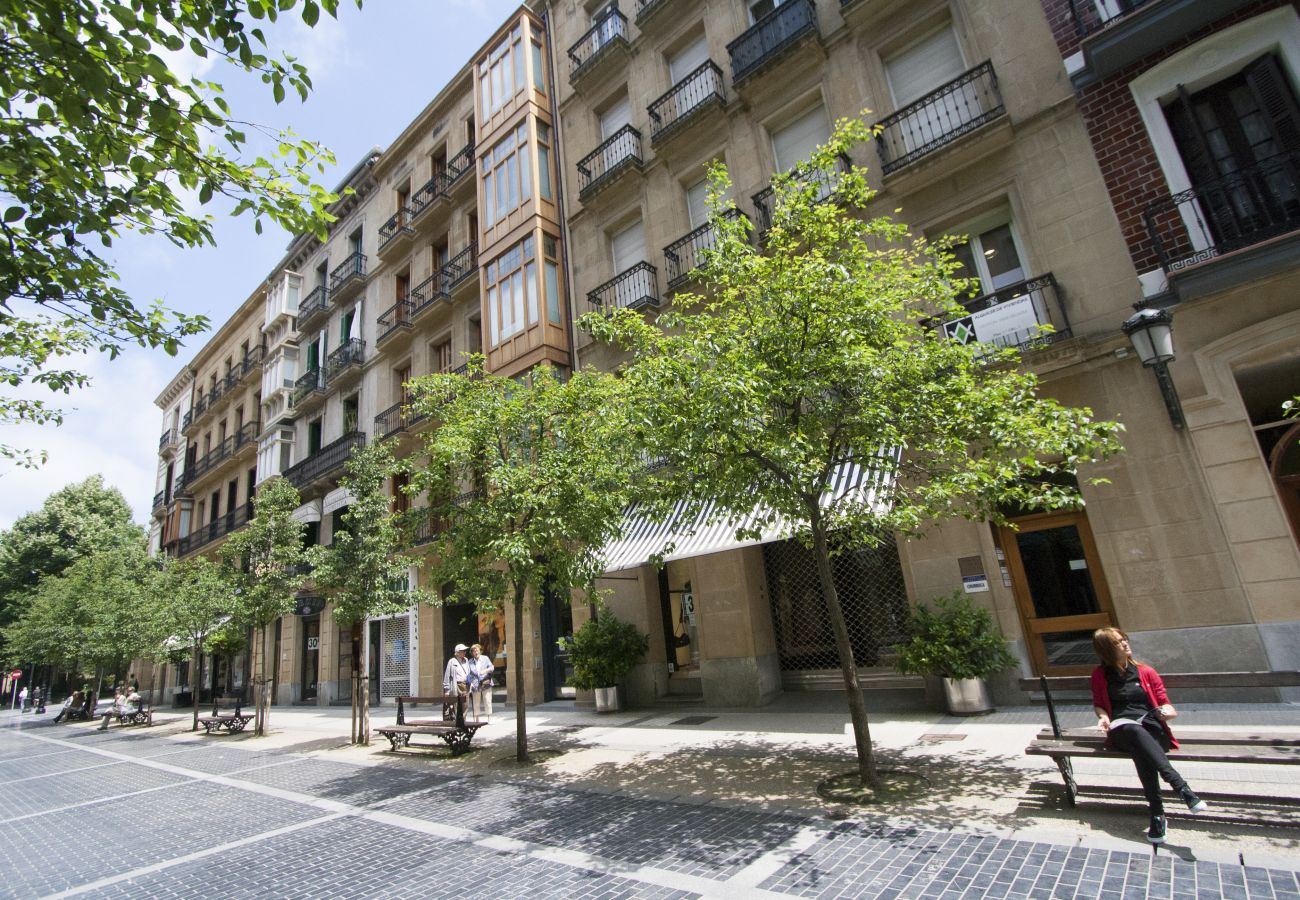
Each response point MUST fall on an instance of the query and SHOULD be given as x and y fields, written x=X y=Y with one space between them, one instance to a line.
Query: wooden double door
x=1060 y=590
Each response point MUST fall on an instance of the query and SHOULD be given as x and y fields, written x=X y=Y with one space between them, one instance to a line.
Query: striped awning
x=308 y=512
x=684 y=535
x=336 y=500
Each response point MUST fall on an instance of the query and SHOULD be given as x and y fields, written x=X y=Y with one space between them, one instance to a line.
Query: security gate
x=395 y=657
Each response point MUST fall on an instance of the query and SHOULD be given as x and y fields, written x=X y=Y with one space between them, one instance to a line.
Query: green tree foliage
x=265 y=563
x=530 y=478
x=99 y=136
x=191 y=601
x=815 y=353
x=363 y=570
x=73 y=522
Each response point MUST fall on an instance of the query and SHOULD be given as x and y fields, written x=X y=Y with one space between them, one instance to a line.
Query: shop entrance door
x=1060 y=590
x=310 y=656
x=557 y=668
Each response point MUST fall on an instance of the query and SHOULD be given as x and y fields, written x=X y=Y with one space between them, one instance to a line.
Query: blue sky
x=373 y=71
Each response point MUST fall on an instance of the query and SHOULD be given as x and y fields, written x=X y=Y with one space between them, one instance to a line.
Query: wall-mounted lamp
x=1152 y=334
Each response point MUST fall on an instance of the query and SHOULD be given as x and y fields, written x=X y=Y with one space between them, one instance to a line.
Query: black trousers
x=1147 y=745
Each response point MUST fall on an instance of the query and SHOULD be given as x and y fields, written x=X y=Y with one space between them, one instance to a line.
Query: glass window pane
x=539 y=79
x=531 y=280
x=519 y=68
x=1069 y=648
x=512 y=183
x=525 y=175
x=493 y=319
x=489 y=212
x=552 y=292
x=517 y=293
x=1057 y=572
x=544 y=173
x=1000 y=257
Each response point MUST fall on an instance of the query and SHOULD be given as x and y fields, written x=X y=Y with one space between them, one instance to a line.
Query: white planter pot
x=607 y=699
x=966 y=696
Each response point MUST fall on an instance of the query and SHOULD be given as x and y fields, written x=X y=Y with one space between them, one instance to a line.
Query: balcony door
x=1060 y=590
x=931 y=62
x=1240 y=141
x=612 y=118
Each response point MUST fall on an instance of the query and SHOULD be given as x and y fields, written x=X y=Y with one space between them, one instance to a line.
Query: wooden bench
x=451 y=727
x=136 y=714
x=227 y=713
x=1259 y=748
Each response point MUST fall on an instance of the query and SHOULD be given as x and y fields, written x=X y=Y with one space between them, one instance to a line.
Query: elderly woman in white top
x=480 y=683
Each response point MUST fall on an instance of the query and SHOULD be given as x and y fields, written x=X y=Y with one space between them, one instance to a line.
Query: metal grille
x=870 y=587
x=395 y=664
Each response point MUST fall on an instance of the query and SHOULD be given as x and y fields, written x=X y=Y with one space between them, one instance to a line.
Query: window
x=440 y=356
x=314 y=437
x=401 y=499
x=501 y=75
x=403 y=377
x=794 y=143
x=992 y=257
x=507 y=175
x=628 y=247
x=759 y=8
x=551 y=264
x=688 y=59
x=934 y=60
x=346 y=324
x=544 y=161
x=613 y=118
x=697 y=202
x=351 y=409
x=512 y=291
x=539 y=72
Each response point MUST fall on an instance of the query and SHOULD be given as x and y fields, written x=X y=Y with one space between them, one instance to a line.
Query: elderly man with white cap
x=455 y=680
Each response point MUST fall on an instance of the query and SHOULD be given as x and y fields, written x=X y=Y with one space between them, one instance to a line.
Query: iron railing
x=460 y=163
x=771 y=37
x=621 y=151
x=686 y=254
x=168 y=439
x=324 y=461
x=1090 y=16
x=246 y=434
x=394 y=319
x=307 y=383
x=399 y=224
x=645 y=9
x=158 y=500
x=1022 y=311
x=253 y=360
x=351 y=270
x=345 y=356
x=635 y=288
x=607 y=31
x=187 y=420
x=432 y=190
x=685 y=100
x=428 y=292
x=1228 y=213
x=223 y=525
x=313 y=306
x=950 y=111
x=394 y=419
x=824 y=182
x=461 y=266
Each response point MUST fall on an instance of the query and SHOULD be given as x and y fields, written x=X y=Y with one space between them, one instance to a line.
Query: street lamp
x=1152 y=334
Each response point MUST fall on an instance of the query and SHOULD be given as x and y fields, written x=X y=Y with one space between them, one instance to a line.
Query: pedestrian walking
x=38 y=700
x=1133 y=710
x=480 y=682
x=22 y=699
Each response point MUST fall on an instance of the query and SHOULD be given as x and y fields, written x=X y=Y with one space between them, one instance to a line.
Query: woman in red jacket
x=1134 y=711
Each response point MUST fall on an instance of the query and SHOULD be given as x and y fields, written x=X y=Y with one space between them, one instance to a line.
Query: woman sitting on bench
x=1133 y=709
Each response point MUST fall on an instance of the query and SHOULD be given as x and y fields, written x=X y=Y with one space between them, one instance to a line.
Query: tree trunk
x=517 y=663
x=363 y=717
x=195 y=648
x=848 y=666
x=356 y=682
x=264 y=692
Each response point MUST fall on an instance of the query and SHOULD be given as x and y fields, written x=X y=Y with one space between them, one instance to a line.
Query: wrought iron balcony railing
x=686 y=254
x=606 y=32
x=314 y=306
x=399 y=225
x=168 y=439
x=685 y=100
x=771 y=37
x=1229 y=213
x=253 y=360
x=324 y=461
x=620 y=152
x=460 y=163
x=461 y=266
x=187 y=420
x=394 y=419
x=348 y=354
x=1014 y=316
x=635 y=288
x=433 y=190
x=394 y=319
x=1090 y=16
x=765 y=200
x=950 y=111
x=220 y=527
x=159 y=499
x=347 y=273
x=232 y=379
x=648 y=9
x=428 y=292
x=307 y=384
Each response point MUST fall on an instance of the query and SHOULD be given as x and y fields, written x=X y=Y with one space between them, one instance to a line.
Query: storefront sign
x=974 y=584
x=308 y=606
x=313 y=643
x=1006 y=323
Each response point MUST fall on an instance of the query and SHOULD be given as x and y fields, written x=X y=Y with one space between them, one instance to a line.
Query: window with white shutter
x=628 y=247
x=688 y=59
x=795 y=142
x=934 y=60
x=697 y=202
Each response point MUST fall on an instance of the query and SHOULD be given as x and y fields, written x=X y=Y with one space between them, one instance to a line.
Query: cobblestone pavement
x=129 y=813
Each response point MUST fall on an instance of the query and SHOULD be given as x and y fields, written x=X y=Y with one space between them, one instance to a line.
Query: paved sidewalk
x=682 y=801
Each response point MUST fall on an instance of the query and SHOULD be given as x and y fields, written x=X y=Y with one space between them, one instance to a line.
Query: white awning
x=708 y=532
x=337 y=499
x=308 y=512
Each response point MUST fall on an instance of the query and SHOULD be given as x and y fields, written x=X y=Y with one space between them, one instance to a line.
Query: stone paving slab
x=344 y=782
x=25 y=798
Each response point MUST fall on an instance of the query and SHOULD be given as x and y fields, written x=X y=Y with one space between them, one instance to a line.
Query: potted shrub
x=603 y=651
x=958 y=642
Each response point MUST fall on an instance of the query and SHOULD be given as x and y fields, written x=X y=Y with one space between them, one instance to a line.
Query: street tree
x=99 y=135
x=363 y=571
x=814 y=356
x=529 y=478
x=191 y=600
x=265 y=563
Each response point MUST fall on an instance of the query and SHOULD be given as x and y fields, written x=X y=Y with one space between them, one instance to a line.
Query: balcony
x=421 y=525
x=222 y=526
x=253 y=361
x=1117 y=33
x=227 y=449
x=1014 y=316
x=602 y=166
x=308 y=385
x=394 y=320
x=685 y=255
x=1250 y=217
x=347 y=277
x=392 y=420
x=168 y=441
x=461 y=267
x=697 y=92
x=765 y=200
x=186 y=421
x=396 y=233
x=606 y=39
x=460 y=165
x=430 y=193
x=159 y=501
x=343 y=360
x=325 y=461
x=428 y=292
x=771 y=38
x=314 y=308
x=637 y=288
x=648 y=10
x=947 y=113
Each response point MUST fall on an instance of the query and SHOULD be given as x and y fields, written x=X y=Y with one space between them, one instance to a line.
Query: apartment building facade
x=590 y=126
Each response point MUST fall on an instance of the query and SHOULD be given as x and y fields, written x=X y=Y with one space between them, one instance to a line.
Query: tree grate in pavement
x=693 y=720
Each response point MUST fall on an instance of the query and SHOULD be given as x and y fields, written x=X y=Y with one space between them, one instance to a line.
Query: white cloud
x=324 y=50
